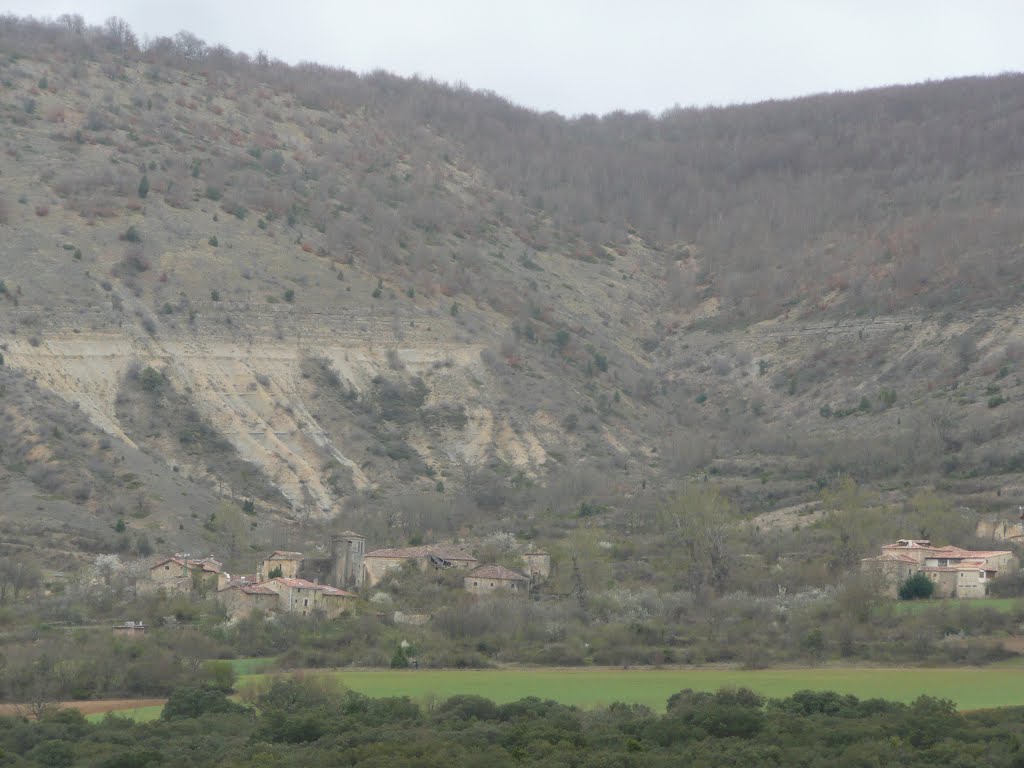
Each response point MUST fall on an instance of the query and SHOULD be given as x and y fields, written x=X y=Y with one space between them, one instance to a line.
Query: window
x=305 y=602
x=167 y=567
x=492 y=583
x=476 y=584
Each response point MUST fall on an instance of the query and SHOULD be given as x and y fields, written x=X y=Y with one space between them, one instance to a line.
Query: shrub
x=150 y=379
x=219 y=676
x=289 y=295
x=917 y=587
x=466 y=707
x=887 y=397
x=133 y=262
x=195 y=702
x=144 y=186
x=214 y=242
x=399 y=660
x=132 y=235
x=275 y=162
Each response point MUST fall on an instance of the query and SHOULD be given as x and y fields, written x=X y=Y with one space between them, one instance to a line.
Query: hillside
x=421 y=310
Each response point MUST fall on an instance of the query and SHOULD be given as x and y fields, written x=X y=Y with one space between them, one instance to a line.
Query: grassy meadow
x=138 y=714
x=1000 y=604
x=970 y=688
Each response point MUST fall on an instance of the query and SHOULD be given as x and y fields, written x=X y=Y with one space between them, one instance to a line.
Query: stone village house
x=242 y=599
x=955 y=572
x=316 y=586
x=380 y=561
x=286 y=595
x=486 y=579
x=288 y=562
x=178 y=574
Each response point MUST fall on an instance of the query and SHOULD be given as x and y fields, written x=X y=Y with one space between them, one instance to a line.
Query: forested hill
x=417 y=307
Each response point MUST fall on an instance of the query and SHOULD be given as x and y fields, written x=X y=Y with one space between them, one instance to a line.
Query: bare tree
x=120 y=34
x=73 y=22
x=17 y=575
x=701 y=521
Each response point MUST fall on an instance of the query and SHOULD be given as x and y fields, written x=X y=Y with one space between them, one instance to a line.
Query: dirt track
x=90 y=707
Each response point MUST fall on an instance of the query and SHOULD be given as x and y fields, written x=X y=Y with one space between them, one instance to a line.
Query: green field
x=138 y=714
x=970 y=688
x=1001 y=604
x=253 y=665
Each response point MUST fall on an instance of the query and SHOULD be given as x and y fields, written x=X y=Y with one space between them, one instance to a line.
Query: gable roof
x=443 y=551
x=334 y=591
x=283 y=554
x=947 y=551
x=890 y=557
x=175 y=560
x=326 y=589
x=966 y=565
x=289 y=582
x=250 y=589
x=496 y=572
x=207 y=564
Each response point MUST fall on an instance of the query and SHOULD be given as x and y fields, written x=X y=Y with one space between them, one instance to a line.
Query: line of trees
x=303 y=723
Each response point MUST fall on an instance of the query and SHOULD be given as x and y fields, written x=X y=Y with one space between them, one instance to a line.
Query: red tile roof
x=891 y=557
x=947 y=551
x=967 y=565
x=293 y=583
x=326 y=589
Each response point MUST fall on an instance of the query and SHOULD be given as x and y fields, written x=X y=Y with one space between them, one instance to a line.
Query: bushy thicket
x=296 y=723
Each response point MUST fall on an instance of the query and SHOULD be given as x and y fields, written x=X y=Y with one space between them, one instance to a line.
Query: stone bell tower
x=347 y=549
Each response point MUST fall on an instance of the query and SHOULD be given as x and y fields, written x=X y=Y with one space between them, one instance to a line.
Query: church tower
x=347 y=549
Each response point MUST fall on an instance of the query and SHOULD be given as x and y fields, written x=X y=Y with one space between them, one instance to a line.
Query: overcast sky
x=576 y=56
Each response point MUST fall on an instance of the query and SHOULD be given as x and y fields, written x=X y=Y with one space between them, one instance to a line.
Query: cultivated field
x=138 y=714
x=137 y=709
x=970 y=688
x=1001 y=604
